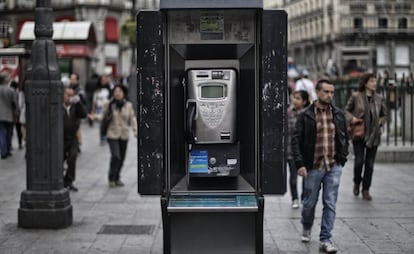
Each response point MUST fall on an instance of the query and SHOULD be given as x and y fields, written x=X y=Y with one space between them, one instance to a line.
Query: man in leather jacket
x=320 y=148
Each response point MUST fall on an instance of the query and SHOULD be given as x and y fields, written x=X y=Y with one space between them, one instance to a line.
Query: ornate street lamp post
x=45 y=203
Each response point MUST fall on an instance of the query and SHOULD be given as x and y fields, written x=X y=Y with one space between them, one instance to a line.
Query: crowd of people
x=104 y=101
x=98 y=98
x=318 y=138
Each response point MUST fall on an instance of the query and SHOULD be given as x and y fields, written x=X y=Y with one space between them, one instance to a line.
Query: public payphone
x=212 y=120
x=211 y=123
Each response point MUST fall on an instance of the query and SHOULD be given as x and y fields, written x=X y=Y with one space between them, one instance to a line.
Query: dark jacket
x=72 y=121
x=8 y=104
x=304 y=137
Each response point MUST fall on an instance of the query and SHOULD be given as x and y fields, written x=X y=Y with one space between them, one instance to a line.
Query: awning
x=13 y=51
x=63 y=31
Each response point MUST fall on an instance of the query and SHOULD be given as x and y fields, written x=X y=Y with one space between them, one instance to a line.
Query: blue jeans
x=313 y=183
x=6 y=129
x=118 y=151
x=3 y=139
x=293 y=180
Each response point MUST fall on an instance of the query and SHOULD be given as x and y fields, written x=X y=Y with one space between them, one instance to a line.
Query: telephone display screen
x=212 y=91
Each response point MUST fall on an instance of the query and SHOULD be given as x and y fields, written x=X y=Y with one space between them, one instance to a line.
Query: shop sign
x=67 y=50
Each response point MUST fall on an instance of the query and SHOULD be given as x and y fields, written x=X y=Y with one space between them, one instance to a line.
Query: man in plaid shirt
x=320 y=148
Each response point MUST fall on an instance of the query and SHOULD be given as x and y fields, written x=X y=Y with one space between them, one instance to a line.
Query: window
x=402 y=60
x=383 y=23
x=402 y=55
x=26 y=4
x=4 y=29
x=402 y=23
x=383 y=56
x=358 y=23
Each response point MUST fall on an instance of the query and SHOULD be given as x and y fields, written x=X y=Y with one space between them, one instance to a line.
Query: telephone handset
x=190 y=125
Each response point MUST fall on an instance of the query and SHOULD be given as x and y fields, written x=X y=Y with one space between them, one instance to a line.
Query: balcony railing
x=358 y=7
x=376 y=30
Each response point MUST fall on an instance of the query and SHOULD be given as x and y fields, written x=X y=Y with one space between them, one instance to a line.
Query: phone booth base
x=213 y=223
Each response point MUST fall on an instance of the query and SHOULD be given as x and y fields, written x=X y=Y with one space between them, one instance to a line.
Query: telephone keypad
x=212 y=113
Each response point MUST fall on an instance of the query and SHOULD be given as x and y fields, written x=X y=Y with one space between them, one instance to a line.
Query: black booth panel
x=177 y=100
x=151 y=117
x=273 y=75
x=247 y=114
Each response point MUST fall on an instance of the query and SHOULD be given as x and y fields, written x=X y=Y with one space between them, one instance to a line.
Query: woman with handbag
x=366 y=113
x=119 y=115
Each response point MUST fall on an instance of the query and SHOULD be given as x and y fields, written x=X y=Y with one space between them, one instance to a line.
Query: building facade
x=341 y=37
x=112 y=53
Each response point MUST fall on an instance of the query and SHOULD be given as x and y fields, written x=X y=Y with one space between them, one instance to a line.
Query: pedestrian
x=17 y=123
x=300 y=100
x=90 y=88
x=304 y=83
x=8 y=111
x=77 y=88
x=368 y=107
x=21 y=101
x=320 y=148
x=101 y=96
x=73 y=111
x=123 y=117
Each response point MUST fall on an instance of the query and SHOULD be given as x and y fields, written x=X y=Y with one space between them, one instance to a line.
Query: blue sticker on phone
x=198 y=161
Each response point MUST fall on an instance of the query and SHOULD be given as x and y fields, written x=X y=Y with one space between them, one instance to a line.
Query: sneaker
x=327 y=247
x=306 y=235
x=119 y=183
x=112 y=184
x=295 y=204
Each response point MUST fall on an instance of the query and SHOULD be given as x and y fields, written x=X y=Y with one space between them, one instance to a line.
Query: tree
x=128 y=32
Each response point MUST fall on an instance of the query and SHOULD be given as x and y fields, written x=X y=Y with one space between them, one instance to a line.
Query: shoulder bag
x=356 y=131
x=106 y=120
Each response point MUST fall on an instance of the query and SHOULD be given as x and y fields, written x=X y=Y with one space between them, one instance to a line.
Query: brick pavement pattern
x=384 y=225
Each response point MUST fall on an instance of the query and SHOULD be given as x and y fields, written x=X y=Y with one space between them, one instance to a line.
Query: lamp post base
x=45 y=209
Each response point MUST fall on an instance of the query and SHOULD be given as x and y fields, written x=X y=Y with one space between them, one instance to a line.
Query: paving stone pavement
x=384 y=225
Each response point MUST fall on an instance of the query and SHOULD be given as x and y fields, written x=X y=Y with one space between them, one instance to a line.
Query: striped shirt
x=325 y=139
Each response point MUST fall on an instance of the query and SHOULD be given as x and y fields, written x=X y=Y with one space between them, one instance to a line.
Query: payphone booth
x=212 y=120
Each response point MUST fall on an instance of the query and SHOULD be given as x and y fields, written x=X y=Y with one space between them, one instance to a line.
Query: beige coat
x=359 y=107
x=121 y=121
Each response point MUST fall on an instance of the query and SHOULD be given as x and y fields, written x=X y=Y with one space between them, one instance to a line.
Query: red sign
x=69 y=50
x=10 y=65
